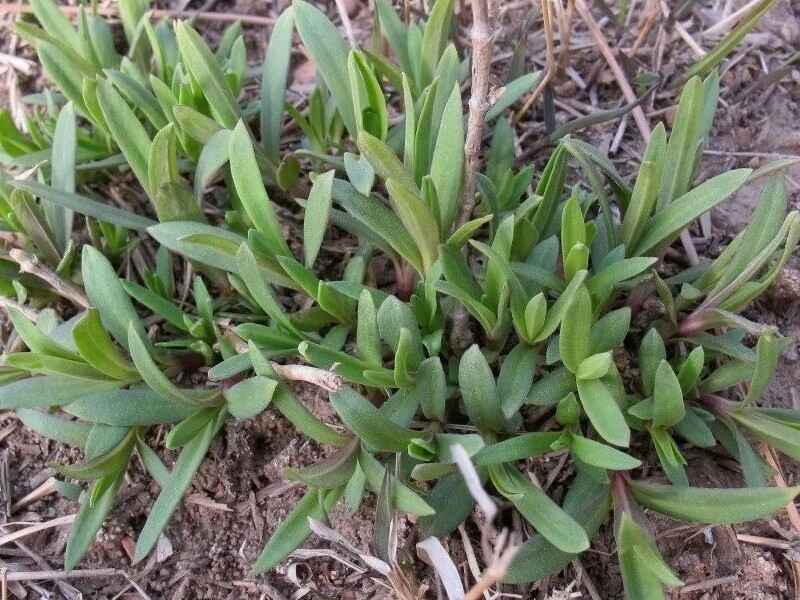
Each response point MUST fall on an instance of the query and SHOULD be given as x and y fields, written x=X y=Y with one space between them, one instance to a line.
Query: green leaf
x=213 y=157
x=107 y=295
x=185 y=467
x=595 y=366
x=643 y=569
x=212 y=246
x=557 y=312
x=250 y=189
x=97 y=349
x=63 y=174
x=679 y=160
x=667 y=223
x=155 y=378
x=127 y=131
x=403 y=497
x=363 y=419
x=431 y=388
x=332 y=472
x=85 y=206
x=359 y=172
x=90 y=518
x=295 y=528
x=55 y=23
x=49 y=390
x=369 y=103
x=518 y=447
x=36 y=340
x=713 y=506
x=138 y=96
x=249 y=271
x=588 y=502
x=645 y=191
x=418 y=220
x=385 y=162
x=610 y=330
x=205 y=69
x=689 y=372
x=602 y=456
x=516 y=377
x=603 y=411
x=273 y=82
x=248 y=398
x=448 y=161
x=135 y=407
x=575 y=338
x=329 y=52
x=315 y=221
x=367 y=340
x=651 y=353
x=73 y=433
x=435 y=36
x=768 y=352
x=478 y=390
x=549 y=519
x=111 y=462
x=668 y=407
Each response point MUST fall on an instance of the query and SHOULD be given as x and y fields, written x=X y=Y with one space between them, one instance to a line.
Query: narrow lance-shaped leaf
x=316 y=216
x=273 y=82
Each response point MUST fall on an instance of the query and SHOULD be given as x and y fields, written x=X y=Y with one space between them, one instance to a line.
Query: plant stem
x=31 y=264
x=482 y=45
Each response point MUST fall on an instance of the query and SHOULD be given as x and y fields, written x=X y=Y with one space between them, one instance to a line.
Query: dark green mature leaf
x=273 y=82
x=478 y=390
x=668 y=406
x=85 y=206
x=588 y=502
x=516 y=377
x=363 y=419
x=709 y=505
x=54 y=427
x=295 y=528
x=651 y=353
x=107 y=295
x=49 y=390
x=248 y=398
x=768 y=351
x=134 y=407
x=329 y=52
x=404 y=498
x=250 y=189
x=668 y=223
x=90 y=518
x=316 y=216
x=127 y=131
x=185 y=467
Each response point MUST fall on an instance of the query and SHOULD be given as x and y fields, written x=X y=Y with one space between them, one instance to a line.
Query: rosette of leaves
x=551 y=275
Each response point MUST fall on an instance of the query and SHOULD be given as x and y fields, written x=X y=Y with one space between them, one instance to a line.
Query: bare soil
x=239 y=496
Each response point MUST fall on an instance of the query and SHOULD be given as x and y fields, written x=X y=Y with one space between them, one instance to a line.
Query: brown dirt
x=209 y=546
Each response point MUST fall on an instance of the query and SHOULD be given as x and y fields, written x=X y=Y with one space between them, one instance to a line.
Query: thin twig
x=10 y=537
x=551 y=65
x=318 y=377
x=11 y=9
x=31 y=314
x=29 y=263
x=504 y=554
x=726 y=23
x=616 y=69
x=348 y=26
x=47 y=488
x=482 y=44
x=706 y=585
x=757 y=540
x=57 y=575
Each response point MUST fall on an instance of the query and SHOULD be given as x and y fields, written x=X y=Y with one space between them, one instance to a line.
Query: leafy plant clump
x=565 y=354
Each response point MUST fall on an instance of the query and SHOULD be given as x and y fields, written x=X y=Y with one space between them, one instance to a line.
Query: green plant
x=551 y=274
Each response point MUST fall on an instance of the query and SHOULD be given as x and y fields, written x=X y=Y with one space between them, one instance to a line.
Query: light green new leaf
x=557 y=312
x=645 y=191
x=97 y=349
x=417 y=219
x=595 y=366
x=575 y=338
x=602 y=456
x=205 y=69
x=603 y=411
x=63 y=174
x=434 y=38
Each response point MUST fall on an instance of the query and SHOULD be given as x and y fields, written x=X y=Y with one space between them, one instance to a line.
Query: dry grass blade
x=29 y=263
x=432 y=549
x=319 y=377
x=58 y=522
